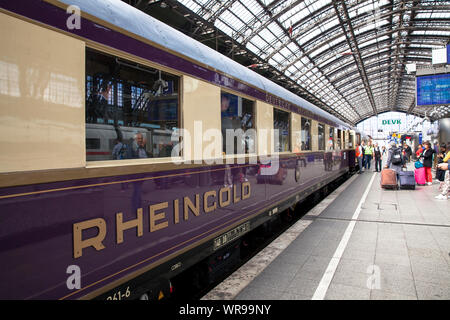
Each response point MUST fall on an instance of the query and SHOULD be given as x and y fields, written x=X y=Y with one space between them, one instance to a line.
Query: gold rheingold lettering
x=205 y=201
x=221 y=202
x=176 y=211
x=134 y=223
x=79 y=244
x=246 y=195
x=235 y=199
x=189 y=205
x=158 y=216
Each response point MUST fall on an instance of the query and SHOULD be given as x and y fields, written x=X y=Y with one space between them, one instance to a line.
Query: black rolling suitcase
x=406 y=180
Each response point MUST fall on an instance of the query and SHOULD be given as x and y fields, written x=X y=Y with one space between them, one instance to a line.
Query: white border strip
x=322 y=289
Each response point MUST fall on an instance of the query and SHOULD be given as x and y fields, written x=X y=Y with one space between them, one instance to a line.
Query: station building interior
x=325 y=226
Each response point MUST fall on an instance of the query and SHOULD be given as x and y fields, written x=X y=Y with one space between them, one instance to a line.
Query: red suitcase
x=389 y=179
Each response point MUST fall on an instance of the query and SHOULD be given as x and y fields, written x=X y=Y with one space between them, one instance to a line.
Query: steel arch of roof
x=304 y=40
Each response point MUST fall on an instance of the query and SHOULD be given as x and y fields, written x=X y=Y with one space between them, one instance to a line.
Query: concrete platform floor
x=361 y=242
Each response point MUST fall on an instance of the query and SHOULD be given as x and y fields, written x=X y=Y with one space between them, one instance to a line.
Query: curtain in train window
x=131 y=110
x=321 y=136
x=282 y=125
x=237 y=120
x=306 y=134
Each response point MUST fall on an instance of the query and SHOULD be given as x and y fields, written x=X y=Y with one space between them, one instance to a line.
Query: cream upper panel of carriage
x=139 y=23
x=41 y=98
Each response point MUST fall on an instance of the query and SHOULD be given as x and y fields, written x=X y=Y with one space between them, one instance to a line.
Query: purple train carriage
x=131 y=152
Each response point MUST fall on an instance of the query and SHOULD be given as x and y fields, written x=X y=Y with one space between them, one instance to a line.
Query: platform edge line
x=325 y=282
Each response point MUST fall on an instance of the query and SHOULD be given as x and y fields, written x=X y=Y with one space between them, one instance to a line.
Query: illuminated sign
x=390 y=122
x=433 y=90
x=448 y=54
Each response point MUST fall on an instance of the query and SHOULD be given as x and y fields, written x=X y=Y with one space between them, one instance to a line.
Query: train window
x=237 y=113
x=134 y=106
x=331 y=139
x=350 y=141
x=339 y=135
x=281 y=123
x=321 y=136
x=344 y=141
x=306 y=134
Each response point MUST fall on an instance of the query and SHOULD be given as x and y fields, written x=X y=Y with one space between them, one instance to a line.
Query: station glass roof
x=350 y=55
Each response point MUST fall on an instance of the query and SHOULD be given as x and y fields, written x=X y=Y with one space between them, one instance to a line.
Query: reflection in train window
x=306 y=134
x=350 y=141
x=339 y=139
x=344 y=141
x=331 y=139
x=281 y=123
x=237 y=113
x=321 y=136
x=134 y=106
x=92 y=143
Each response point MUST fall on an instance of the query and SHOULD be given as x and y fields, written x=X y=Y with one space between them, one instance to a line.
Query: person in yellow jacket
x=368 y=155
x=447 y=156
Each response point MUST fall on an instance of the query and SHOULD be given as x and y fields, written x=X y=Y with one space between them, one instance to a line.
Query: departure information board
x=448 y=54
x=433 y=90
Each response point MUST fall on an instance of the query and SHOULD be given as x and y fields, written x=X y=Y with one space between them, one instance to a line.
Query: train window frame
x=310 y=149
x=101 y=49
x=323 y=146
x=351 y=140
x=253 y=121
x=344 y=140
x=289 y=142
x=331 y=136
x=339 y=139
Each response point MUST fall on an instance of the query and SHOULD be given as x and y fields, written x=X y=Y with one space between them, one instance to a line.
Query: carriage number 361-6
x=119 y=295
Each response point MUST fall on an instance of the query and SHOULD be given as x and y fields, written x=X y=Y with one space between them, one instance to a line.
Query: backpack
x=123 y=152
x=397 y=156
x=377 y=153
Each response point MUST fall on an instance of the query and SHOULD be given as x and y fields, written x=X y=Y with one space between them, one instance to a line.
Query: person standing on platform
x=377 y=155
x=368 y=154
x=138 y=150
x=446 y=186
x=427 y=156
x=408 y=152
x=440 y=174
x=359 y=156
x=395 y=159
x=363 y=147
x=436 y=147
x=419 y=151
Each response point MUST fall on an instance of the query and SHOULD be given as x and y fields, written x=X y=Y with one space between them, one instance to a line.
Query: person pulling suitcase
x=395 y=158
x=394 y=163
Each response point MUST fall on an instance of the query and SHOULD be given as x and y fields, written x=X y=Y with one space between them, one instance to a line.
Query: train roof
x=135 y=21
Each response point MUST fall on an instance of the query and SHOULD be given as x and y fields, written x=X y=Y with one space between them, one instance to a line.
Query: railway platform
x=361 y=242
